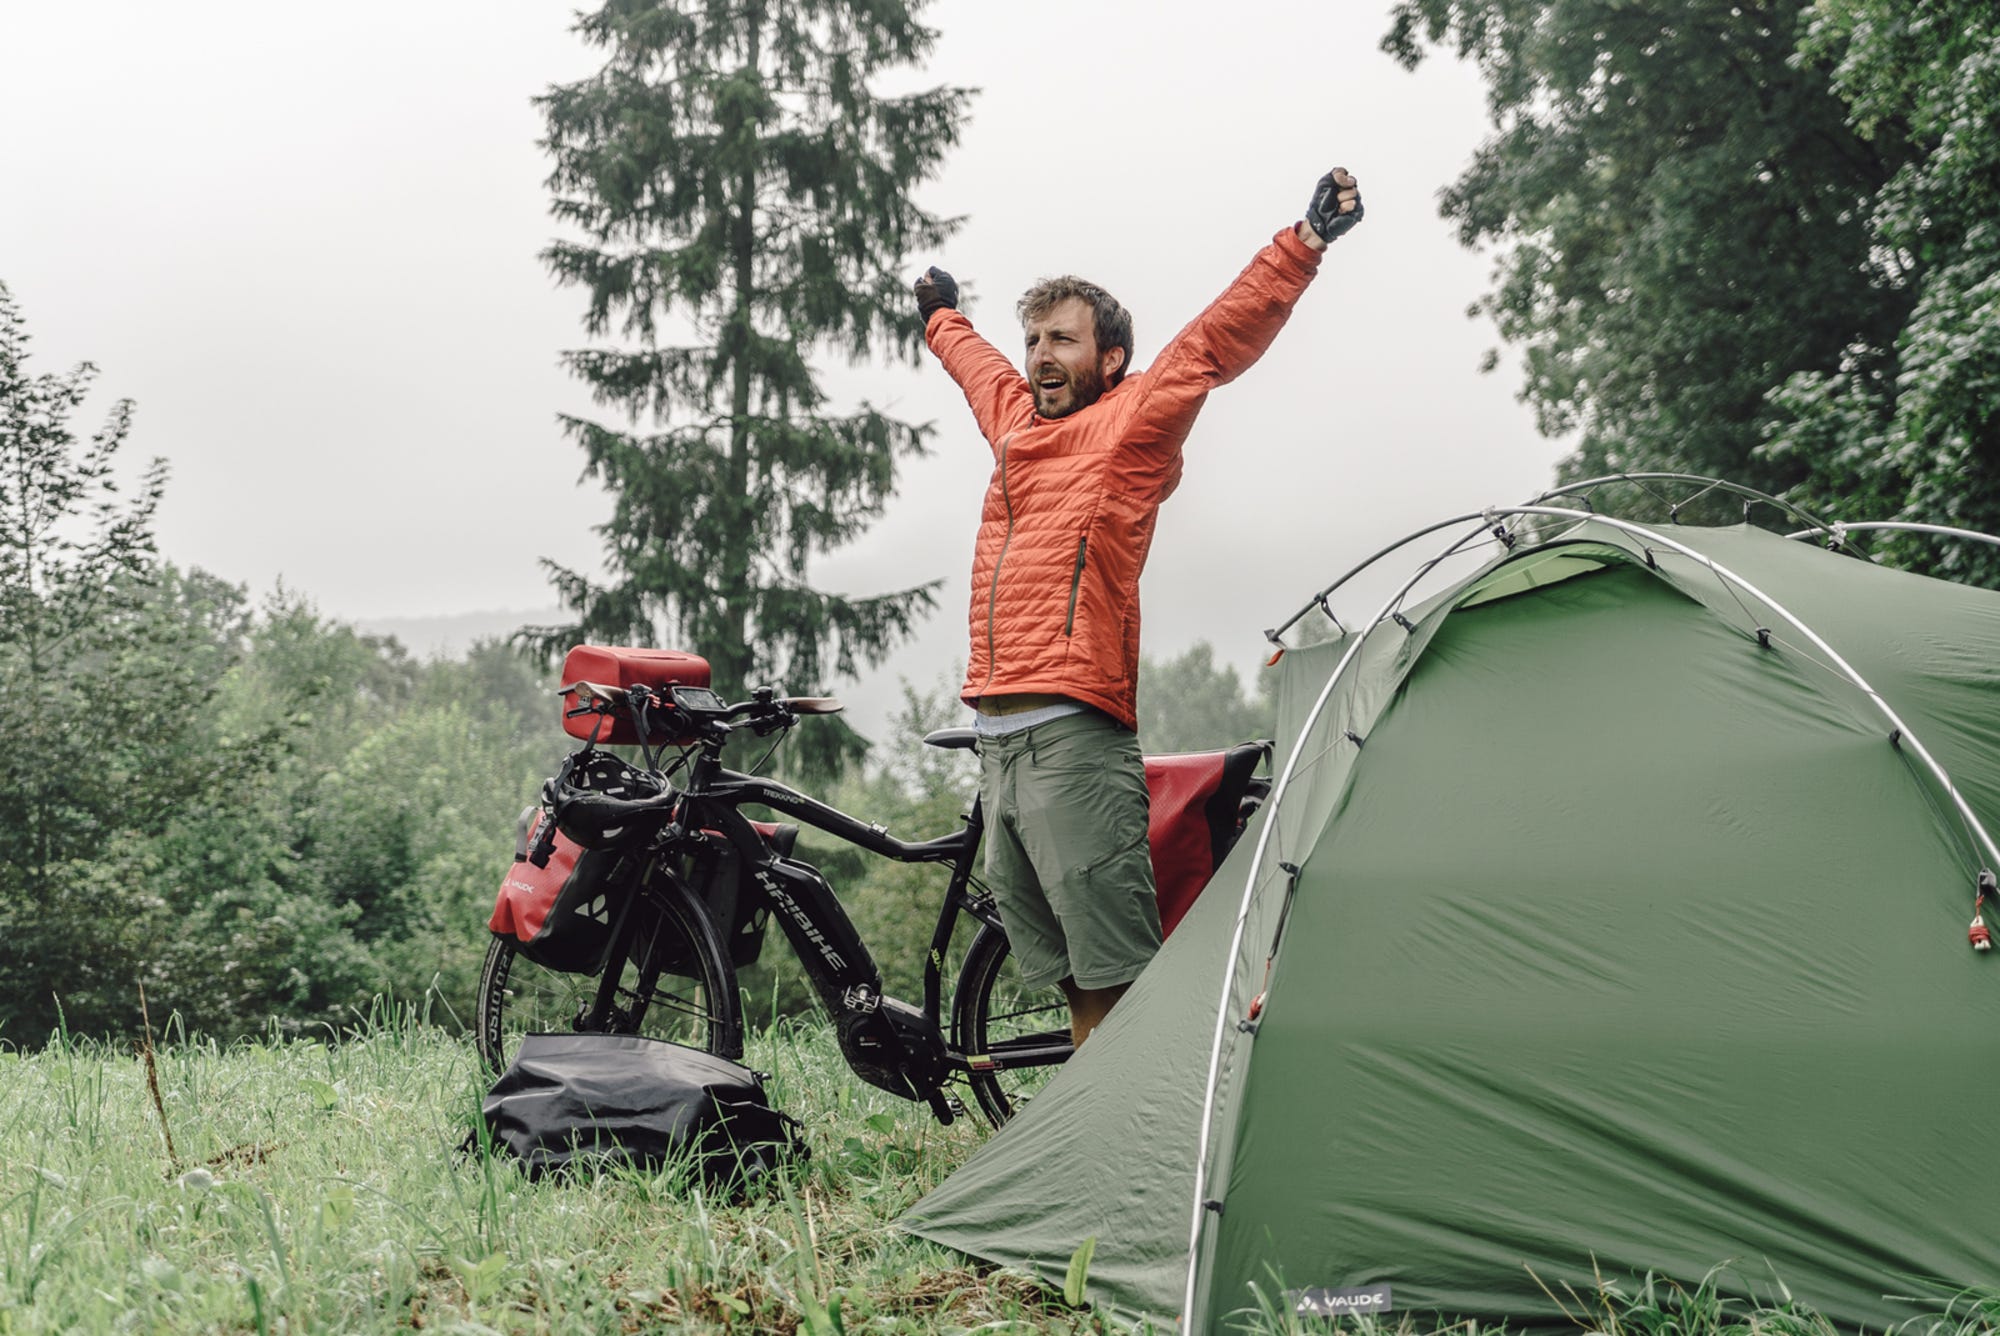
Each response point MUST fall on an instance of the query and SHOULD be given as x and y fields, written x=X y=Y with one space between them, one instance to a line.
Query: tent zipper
x=1248 y=1025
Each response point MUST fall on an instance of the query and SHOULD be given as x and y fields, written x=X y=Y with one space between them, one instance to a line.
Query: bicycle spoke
x=1017 y=1037
x=674 y=1002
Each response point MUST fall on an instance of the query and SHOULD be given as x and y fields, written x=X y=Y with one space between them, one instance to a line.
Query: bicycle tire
x=676 y=946
x=994 y=1019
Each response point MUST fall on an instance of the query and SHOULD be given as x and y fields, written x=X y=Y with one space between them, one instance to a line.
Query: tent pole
x=1319 y=600
x=1748 y=494
x=1585 y=486
x=1897 y=526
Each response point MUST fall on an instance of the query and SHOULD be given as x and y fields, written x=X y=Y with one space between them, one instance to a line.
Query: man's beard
x=1085 y=389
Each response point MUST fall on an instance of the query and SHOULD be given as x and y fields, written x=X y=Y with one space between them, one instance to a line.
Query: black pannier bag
x=592 y=1101
x=736 y=904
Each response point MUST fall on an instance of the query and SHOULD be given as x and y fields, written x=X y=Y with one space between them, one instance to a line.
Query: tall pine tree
x=744 y=199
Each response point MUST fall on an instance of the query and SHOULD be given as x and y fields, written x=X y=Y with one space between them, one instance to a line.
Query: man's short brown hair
x=1110 y=322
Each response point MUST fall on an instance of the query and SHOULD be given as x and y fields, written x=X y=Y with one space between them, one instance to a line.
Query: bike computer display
x=698 y=699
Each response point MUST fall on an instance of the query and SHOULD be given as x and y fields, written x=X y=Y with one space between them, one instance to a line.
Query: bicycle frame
x=887 y=1042
x=711 y=877
x=721 y=790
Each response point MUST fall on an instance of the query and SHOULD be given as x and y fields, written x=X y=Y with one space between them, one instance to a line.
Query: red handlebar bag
x=614 y=667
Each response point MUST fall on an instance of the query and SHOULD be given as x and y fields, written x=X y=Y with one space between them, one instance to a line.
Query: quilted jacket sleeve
x=999 y=395
x=1222 y=342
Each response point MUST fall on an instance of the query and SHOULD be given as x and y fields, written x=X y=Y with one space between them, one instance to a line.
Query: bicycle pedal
x=946 y=1108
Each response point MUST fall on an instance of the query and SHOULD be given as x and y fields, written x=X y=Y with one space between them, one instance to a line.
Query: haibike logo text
x=1333 y=1303
x=785 y=901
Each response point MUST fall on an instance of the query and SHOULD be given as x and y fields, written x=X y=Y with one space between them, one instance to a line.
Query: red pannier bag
x=1195 y=815
x=559 y=913
x=613 y=667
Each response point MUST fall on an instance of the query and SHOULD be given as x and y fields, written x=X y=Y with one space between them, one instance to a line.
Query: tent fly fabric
x=1610 y=920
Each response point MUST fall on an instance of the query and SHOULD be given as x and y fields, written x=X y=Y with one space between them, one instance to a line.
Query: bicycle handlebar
x=762 y=713
x=594 y=818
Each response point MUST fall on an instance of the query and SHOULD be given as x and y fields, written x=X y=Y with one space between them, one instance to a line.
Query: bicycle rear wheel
x=675 y=982
x=1014 y=1038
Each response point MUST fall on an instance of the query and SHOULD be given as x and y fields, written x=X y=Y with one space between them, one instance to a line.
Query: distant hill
x=449 y=637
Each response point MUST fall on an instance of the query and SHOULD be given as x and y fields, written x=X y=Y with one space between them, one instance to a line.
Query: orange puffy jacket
x=1069 y=513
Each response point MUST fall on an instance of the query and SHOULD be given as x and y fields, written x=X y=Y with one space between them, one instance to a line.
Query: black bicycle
x=662 y=888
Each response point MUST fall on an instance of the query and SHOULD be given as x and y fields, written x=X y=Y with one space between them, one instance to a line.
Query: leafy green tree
x=1908 y=426
x=412 y=831
x=1680 y=202
x=743 y=199
x=183 y=869
x=372 y=856
x=505 y=688
x=73 y=556
x=1191 y=704
x=262 y=817
x=929 y=774
x=76 y=559
x=363 y=858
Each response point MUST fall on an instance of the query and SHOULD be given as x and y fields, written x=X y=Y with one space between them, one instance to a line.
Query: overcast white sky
x=304 y=241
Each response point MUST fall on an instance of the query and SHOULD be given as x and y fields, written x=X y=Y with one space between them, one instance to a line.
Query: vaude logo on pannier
x=1335 y=1303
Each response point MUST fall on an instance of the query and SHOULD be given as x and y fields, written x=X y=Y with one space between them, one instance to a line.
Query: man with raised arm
x=1083 y=456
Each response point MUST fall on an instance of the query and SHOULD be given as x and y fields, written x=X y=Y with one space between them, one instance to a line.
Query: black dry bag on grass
x=591 y=1101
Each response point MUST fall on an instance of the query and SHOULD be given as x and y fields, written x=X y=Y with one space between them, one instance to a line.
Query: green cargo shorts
x=1066 y=850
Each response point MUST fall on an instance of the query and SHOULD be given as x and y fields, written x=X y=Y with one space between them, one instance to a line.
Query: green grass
x=314 y=1186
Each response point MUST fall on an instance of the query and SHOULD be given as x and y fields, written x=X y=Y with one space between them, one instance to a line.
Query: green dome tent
x=1609 y=918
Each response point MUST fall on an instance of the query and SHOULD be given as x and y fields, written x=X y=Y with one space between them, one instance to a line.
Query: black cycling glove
x=1323 y=215
x=935 y=290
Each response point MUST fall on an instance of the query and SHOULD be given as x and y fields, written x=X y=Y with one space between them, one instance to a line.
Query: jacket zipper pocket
x=1075 y=585
x=993 y=598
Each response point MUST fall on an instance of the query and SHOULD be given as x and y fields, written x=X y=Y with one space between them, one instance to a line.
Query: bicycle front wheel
x=675 y=982
x=1013 y=1038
